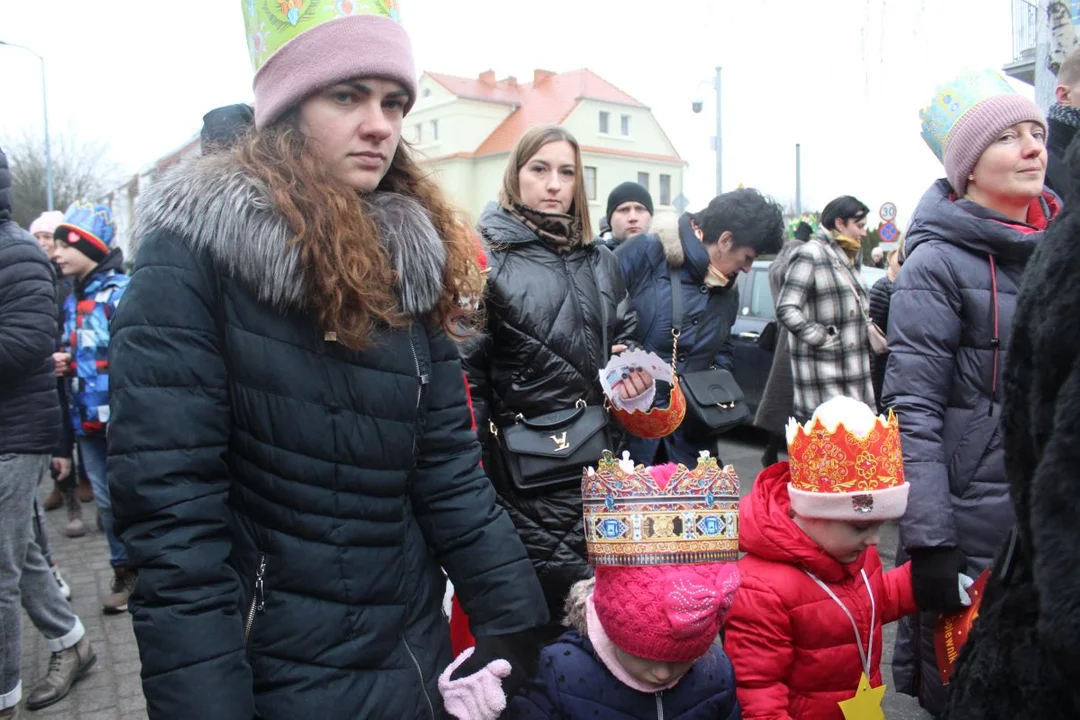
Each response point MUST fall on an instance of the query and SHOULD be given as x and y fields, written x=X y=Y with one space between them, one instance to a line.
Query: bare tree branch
x=81 y=171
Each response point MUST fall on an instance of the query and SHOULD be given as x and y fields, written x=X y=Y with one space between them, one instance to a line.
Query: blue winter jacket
x=86 y=331
x=708 y=314
x=573 y=683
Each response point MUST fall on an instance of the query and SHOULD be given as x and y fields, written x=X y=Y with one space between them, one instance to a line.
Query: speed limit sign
x=888 y=212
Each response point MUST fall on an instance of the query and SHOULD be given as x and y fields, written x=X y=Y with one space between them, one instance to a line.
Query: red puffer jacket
x=792 y=646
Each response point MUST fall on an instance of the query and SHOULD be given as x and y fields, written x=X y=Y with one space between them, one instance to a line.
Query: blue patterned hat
x=93 y=229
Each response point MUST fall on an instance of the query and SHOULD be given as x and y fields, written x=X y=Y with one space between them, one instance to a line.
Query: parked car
x=756 y=311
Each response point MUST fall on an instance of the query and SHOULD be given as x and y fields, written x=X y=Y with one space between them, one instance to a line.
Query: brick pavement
x=112 y=689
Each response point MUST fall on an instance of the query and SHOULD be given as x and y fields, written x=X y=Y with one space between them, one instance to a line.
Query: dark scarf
x=562 y=232
x=1065 y=114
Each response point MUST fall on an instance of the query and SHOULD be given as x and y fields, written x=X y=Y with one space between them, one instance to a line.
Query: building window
x=590 y=183
x=419 y=133
x=427 y=92
x=605 y=120
x=665 y=189
x=434 y=131
x=626 y=125
x=643 y=180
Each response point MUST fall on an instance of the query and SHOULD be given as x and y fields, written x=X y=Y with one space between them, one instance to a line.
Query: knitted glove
x=934 y=574
x=521 y=650
x=478 y=696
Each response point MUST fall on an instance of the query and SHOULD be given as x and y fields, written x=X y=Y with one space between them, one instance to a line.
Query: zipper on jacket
x=581 y=314
x=422 y=381
x=660 y=705
x=258 y=598
x=420 y=672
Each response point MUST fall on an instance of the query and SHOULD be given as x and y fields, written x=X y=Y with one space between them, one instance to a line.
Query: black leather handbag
x=714 y=401
x=548 y=452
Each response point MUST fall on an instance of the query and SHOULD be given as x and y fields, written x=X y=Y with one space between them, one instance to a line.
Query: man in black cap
x=629 y=213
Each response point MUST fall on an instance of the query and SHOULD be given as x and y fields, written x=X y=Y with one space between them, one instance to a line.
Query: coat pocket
x=979 y=437
x=257 y=605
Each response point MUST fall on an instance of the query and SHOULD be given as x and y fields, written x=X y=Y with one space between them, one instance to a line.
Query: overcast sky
x=845 y=78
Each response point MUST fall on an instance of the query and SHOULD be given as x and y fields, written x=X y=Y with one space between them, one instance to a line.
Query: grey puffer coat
x=949 y=326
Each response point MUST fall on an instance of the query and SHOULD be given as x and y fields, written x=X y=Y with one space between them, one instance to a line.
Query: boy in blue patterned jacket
x=85 y=253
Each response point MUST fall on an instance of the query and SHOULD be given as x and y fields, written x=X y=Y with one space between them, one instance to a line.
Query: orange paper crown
x=840 y=474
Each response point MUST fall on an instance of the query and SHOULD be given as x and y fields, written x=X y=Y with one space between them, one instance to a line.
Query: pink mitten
x=478 y=696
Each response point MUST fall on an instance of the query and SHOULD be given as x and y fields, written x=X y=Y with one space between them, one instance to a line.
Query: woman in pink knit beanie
x=950 y=322
x=292 y=462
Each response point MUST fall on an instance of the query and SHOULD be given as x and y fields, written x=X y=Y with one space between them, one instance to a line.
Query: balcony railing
x=1025 y=20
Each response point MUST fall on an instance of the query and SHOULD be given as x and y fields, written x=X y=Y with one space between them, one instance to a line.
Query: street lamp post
x=45 y=115
x=718 y=141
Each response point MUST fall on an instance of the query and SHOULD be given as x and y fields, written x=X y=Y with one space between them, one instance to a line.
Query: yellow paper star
x=866 y=705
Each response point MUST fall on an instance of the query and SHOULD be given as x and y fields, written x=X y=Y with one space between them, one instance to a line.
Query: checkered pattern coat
x=830 y=348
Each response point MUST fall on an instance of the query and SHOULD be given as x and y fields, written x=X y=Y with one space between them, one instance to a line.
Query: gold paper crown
x=630 y=520
x=841 y=461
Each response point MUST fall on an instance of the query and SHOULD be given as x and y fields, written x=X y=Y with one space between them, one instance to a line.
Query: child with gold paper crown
x=804 y=633
x=643 y=638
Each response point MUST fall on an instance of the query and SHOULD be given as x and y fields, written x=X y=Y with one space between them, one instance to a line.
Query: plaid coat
x=830 y=348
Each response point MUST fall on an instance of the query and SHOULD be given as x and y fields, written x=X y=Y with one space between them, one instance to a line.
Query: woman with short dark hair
x=823 y=304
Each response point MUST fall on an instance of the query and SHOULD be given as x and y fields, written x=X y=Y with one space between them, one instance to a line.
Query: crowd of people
x=321 y=394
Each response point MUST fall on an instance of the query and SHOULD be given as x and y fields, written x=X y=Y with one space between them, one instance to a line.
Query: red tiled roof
x=549 y=99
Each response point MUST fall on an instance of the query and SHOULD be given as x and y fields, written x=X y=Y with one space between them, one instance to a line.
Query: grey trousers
x=25 y=577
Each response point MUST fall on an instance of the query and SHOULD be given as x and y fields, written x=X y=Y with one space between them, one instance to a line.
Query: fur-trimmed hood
x=218 y=208
x=666 y=228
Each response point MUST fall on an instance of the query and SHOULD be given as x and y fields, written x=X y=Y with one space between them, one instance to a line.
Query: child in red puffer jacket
x=804 y=633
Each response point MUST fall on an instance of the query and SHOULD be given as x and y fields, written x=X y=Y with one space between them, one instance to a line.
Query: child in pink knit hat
x=644 y=637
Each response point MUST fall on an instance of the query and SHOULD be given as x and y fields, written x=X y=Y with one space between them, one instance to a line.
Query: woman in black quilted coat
x=291 y=452
x=547 y=283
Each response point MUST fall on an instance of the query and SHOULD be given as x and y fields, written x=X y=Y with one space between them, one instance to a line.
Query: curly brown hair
x=351 y=277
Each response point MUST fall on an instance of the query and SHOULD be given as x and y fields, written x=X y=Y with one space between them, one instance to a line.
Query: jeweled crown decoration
x=272 y=23
x=841 y=461
x=953 y=100
x=631 y=521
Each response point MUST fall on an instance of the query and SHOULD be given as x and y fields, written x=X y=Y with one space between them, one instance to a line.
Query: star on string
x=866 y=705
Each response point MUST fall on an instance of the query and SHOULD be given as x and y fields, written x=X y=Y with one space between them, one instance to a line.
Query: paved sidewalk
x=112 y=689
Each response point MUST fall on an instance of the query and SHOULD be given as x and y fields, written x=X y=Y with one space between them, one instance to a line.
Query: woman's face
x=728 y=259
x=1013 y=167
x=354 y=127
x=547 y=180
x=45 y=240
x=853 y=228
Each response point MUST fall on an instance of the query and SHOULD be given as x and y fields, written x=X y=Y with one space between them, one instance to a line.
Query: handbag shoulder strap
x=676 y=298
x=858 y=298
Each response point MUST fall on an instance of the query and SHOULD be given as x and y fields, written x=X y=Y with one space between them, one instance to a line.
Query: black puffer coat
x=542 y=353
x=880 y=297
x=29 y=405
x=256 y=463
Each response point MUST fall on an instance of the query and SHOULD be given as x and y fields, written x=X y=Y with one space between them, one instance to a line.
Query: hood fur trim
x=219 y=209
x=667 y=229
x=576 y=606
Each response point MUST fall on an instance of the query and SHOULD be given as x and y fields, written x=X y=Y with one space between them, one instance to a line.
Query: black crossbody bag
x=548 y=452
x=714 y=401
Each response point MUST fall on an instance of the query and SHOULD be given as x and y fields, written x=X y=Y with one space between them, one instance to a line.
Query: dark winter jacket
x=1023 y=657
x=29 y=406
x=778 y=400
x=574 y=684
x=708 y=314
x=1058 y=177
x=950 y=322
x=542 y=352
x=880 y=297
x=287 y=501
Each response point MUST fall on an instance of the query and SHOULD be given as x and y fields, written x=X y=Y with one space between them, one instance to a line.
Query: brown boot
x=65 y=667
x=122 y=585
x=84 y=491
x=75 y=526
x=55 y=499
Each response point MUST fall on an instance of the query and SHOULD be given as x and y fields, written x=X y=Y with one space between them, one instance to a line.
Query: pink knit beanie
x=665 y=613
x=47 y=222
x=300 y=52
x=979 y=127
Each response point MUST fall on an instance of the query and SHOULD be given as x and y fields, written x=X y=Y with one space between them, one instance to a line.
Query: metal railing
x=1025 y=21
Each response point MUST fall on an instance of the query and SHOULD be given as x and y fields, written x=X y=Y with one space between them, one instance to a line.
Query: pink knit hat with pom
x=664 y=541
x=666 y=613
x=47 y=222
